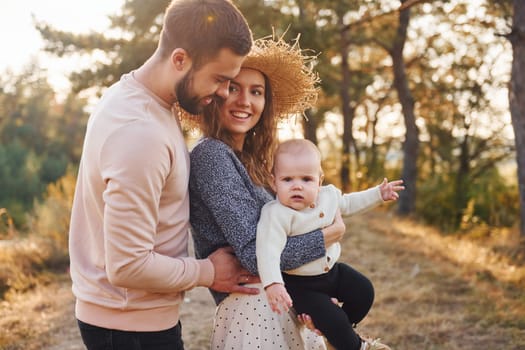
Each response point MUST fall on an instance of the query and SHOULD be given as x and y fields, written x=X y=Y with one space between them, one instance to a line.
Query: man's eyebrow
x=224 y=77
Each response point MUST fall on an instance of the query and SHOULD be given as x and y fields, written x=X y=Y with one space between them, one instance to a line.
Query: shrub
x=27 y=261
x=50 y=218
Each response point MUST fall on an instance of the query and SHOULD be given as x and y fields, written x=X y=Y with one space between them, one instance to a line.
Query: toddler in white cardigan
x=303 y=205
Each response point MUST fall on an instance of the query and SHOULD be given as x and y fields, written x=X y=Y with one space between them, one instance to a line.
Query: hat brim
x=289 y=71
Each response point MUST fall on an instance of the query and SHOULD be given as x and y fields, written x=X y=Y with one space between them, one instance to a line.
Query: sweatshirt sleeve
x=271 y=239
x=135 y=174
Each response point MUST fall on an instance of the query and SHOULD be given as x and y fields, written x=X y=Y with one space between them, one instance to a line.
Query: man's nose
x=223 y=90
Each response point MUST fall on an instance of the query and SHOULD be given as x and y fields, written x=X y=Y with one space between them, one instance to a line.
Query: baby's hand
x=389 y=189
x=278 y=297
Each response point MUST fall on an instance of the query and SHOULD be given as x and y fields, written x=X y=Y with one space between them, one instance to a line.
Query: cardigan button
x=321 y=215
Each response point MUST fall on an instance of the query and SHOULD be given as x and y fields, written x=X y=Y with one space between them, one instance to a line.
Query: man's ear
x=180 y=59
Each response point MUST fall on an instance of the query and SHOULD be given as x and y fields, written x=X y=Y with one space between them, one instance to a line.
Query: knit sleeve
x=302 y=249
x=218 y=181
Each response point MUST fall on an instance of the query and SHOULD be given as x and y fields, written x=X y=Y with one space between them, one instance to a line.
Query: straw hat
x=289 y=71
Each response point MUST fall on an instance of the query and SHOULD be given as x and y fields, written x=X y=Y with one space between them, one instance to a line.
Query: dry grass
x=24 y=263
x=36 y=319
x=435 y=292
x=432 y=292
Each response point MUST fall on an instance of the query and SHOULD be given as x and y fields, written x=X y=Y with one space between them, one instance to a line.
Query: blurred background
x=410 y=89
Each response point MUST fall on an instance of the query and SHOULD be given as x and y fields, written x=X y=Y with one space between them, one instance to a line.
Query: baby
x=303 y=205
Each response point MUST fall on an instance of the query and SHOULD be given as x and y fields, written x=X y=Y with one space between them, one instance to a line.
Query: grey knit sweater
x=225 y=206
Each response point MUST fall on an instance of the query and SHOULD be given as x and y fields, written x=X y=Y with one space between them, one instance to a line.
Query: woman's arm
x=302 y=249
x=222 y=186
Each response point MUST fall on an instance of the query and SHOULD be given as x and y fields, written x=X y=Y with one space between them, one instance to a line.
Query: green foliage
x=38 y=139
x=435 y=203
x=490 y=201
x=19 y=180
x=494 y=201
x=52 y=168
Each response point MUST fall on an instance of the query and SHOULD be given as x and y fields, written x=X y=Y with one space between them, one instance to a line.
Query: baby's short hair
x=296 y=147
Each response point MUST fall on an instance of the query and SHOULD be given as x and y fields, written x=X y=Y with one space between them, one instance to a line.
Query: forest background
x=429 y=91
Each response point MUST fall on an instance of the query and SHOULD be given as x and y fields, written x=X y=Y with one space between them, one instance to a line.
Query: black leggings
x=312 y=295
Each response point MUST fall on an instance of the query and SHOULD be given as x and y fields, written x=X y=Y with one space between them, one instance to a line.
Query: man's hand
x=389 y=189
x=278 y=297
x=229 y=274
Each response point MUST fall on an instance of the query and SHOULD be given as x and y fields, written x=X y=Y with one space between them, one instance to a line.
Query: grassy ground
x=432 y=292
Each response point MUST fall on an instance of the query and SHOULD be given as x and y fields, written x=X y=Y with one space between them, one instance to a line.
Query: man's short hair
x=203 y=28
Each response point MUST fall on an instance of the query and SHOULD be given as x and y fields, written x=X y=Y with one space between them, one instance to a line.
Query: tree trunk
x=407 y=198
x=348 y=115
x=517 y=98
x=310 y=127
x=461 y=197
x=310 y=123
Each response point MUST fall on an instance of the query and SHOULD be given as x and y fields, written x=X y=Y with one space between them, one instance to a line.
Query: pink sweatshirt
x=128 y=239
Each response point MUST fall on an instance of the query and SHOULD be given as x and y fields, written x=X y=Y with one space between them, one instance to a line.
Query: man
x=129 y=224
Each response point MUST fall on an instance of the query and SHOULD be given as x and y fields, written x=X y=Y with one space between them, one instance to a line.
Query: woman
x=229 y=184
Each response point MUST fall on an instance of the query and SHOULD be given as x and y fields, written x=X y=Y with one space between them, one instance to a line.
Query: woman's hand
x=334 y=232
x=278 y=297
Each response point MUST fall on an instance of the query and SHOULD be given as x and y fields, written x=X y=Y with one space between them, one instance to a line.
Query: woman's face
x=242 y=109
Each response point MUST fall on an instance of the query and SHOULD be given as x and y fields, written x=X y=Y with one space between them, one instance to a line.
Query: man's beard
x=188 y=101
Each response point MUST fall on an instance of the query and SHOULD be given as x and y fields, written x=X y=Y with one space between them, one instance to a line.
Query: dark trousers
x=312 y=295
x=97 y=338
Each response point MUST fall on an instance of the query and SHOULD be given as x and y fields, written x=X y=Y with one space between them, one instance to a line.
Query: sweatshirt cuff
x=207 y=273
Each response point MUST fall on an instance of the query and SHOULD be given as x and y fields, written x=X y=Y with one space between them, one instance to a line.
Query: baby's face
x=297 y=179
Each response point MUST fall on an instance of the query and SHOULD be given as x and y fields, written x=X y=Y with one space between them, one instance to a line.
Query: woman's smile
x=240 y=115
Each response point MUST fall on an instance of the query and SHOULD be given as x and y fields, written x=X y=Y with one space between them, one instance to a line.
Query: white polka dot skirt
x=246 y=322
